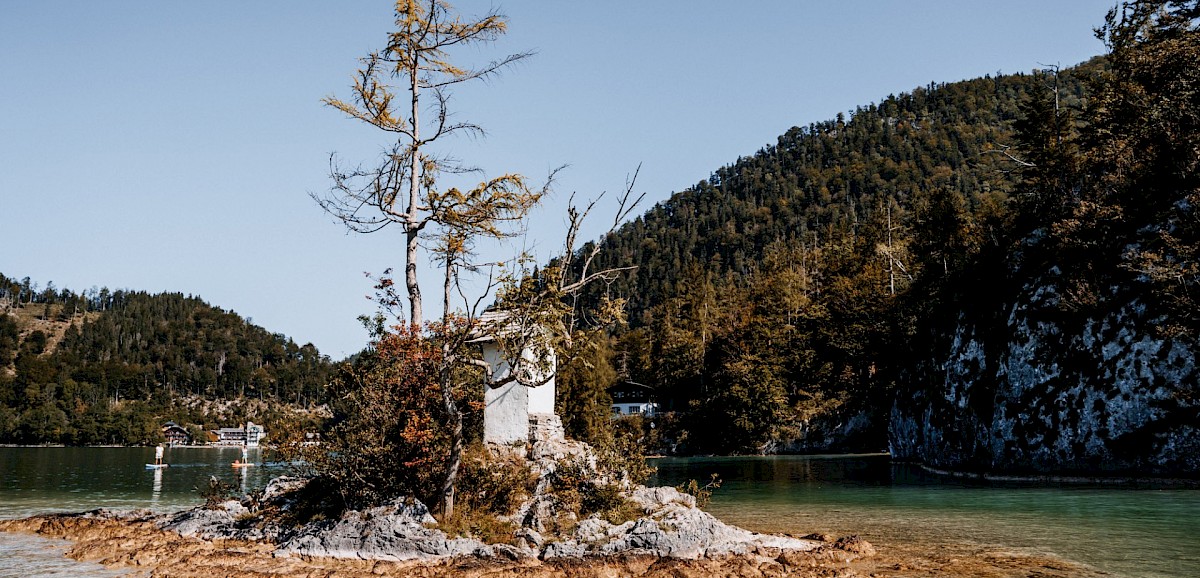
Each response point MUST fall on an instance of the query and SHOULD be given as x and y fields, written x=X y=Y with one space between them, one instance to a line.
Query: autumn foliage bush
x=387 y=437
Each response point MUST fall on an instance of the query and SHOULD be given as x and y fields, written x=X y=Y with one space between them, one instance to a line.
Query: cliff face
x=1033 y=387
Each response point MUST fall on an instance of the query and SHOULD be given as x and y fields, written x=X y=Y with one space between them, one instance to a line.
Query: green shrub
x=479 y=524
x=703 y=494
x=578 y=490
x=490 y=486
x=493 y=483
x=622 y=456
x=216 y=492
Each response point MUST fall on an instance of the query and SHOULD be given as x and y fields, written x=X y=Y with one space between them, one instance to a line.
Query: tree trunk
x=412 y=227
x=410 y=277
x=456 y=443
x=452 y=413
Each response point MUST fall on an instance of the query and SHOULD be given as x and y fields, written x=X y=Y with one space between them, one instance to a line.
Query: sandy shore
x=133 y=541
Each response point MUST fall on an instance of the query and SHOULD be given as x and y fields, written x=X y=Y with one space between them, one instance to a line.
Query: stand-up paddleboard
x=156 y=466
x=242 y=464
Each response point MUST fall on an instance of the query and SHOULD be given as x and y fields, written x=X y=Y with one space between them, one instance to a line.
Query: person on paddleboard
x=158 y=455
x=245 y=458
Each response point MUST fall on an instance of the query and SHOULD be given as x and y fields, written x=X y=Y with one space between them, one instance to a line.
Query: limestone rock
x=225 y=521
x=396 y=533
x=281 y=487
x=657 y=498
x=530 y=538
x=545 y=427
x=1022 y=387
x=674 y=531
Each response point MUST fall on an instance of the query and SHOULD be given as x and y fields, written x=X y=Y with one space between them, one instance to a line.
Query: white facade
x=507 y=408
x=642 y=408
x=254 y=434
x=250 y=435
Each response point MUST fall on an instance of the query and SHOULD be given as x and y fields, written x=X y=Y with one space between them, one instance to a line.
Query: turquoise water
x=1135 y=532
x=1127 y=532
x=38 y=480
x=42 y=480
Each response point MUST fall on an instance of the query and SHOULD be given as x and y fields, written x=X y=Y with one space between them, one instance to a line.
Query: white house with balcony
x=632 y=398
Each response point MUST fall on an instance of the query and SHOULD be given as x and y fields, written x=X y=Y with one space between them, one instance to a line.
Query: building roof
x=494 y=322
x=631 y=385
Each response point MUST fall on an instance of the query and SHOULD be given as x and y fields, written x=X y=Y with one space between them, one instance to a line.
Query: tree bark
x=454 y=460
x=456 y=444
x=412 y=227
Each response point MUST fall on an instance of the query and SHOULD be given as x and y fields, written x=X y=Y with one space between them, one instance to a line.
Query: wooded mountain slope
x=768 y=297
x=998 y=274
x=107 y=366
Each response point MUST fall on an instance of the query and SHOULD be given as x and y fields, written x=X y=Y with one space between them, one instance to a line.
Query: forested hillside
x=1081 y=355
x=107 y=366
x=999 y=274
x=769 y=297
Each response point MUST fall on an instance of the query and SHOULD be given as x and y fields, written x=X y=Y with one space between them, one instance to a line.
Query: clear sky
x=170 y=146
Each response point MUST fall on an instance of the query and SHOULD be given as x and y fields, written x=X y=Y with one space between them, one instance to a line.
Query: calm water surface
x=1127 y=532
x=1131 y=532
x=41 y=480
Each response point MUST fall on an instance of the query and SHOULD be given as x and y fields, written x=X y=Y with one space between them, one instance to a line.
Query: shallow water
x=1134 y=532
x=43 y=480
x=1128 y=532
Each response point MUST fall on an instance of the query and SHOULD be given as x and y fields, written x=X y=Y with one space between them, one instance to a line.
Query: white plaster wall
x=506 y=414
x=541 y=398
x=506 y=408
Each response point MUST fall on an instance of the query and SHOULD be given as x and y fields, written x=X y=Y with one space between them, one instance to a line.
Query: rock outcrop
x=1034 y=387
x=133 y=541
x=672 y=527
x=396 y=533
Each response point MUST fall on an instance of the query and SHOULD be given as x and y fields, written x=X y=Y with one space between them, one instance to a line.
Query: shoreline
x=1130 y=482
x=109 y=446
x=134 y=541
x=1124 y=481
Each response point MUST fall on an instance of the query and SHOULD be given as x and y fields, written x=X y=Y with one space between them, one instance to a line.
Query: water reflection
x=244 y=474
x=38 y=480
x=156 y=488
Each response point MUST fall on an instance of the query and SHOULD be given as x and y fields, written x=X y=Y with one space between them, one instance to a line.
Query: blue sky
x=168 y=146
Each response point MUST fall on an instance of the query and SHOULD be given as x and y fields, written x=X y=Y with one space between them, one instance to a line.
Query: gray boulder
x=226 y=521
x=675 y=528
x=397 y=533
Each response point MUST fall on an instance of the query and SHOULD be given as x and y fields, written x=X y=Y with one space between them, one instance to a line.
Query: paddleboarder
x=245 y=461
x=158 y=455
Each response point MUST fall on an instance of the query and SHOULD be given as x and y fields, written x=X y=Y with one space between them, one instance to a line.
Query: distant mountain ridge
x=104 y=366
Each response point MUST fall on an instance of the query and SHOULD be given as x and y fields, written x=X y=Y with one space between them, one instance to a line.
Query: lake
x=1131 y=532
x=1134 y=532
x=40 y=480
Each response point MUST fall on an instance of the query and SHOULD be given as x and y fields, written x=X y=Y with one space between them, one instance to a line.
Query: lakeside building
x=176 y=434
x=632 y=398
x=250 y=435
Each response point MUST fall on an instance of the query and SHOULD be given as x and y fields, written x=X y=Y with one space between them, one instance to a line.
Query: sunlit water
x=42 y=480
x=1135 y=532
